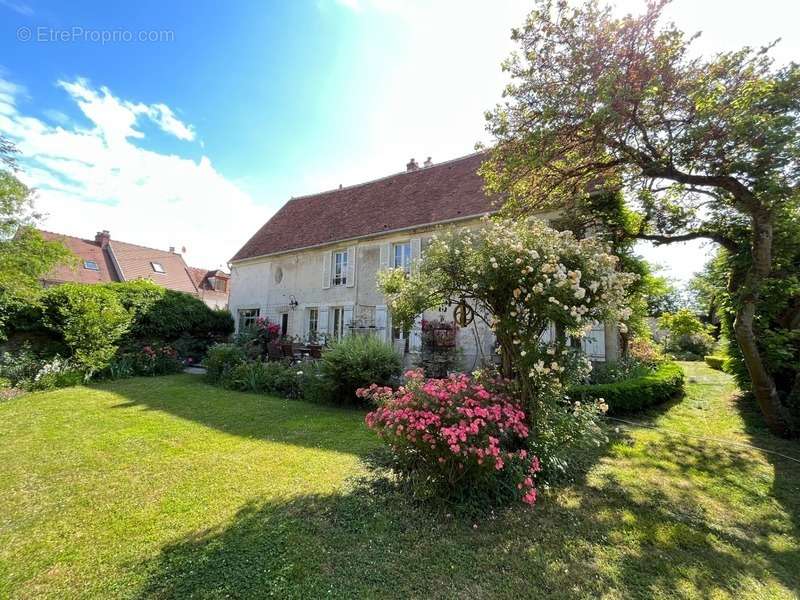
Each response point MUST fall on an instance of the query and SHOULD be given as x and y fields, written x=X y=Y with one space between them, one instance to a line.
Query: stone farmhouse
x=312 y=268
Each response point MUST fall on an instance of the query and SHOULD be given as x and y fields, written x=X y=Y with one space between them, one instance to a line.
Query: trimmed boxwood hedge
x=635 y=394
x=716 y=362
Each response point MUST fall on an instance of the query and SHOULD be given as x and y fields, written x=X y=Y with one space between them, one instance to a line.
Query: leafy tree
x=90 y=319
x=25 y=256
x=705 y=147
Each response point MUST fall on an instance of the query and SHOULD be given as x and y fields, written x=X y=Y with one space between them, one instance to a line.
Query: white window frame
x=243 y=319
x=88 y=262
x=404 y=260
x=339 y=270
x=313 y=321
x=160 y=270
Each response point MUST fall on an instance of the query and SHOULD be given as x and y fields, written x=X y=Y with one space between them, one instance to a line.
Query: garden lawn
x=167 y=487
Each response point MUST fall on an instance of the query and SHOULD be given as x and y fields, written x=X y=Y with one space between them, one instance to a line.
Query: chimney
x=172 y=249
x=102 y=238
x=428 y=163
x=412 y=165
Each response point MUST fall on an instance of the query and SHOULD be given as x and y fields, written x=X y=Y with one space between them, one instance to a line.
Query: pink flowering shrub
x=457 y=436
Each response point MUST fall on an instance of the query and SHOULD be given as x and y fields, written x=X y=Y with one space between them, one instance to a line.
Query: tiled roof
x=443 y=192
x=136 y=263
x=84 y=250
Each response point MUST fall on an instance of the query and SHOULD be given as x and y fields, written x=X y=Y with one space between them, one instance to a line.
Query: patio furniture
x=315 y=350
x=275 y=352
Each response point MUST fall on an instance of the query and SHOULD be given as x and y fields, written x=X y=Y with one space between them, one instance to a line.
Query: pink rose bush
x=456 y=434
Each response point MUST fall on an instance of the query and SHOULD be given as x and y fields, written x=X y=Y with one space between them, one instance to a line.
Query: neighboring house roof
x=443 y=192
x=121 y=261
x=85 y=250
x=135 y=262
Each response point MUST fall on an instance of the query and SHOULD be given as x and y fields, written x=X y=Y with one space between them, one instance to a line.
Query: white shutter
x=416 y=252
x=415 y=335
x=380 y=321
x=348 y=320
x=386 y=253
x=322 y=320
x=326 y=270
x=351 y=269
x=594 y=344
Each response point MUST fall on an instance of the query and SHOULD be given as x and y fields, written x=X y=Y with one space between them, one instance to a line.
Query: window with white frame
x=247 y=318
x=340 y=268
x=402 y=256
x=91 y=265
x=158 y=267
x=313 y=321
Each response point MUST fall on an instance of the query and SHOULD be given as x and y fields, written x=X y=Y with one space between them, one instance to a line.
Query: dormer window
x=91 y=265
x=157 y=267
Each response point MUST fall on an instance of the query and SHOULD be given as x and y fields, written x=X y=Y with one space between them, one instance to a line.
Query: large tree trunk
x=775 y=415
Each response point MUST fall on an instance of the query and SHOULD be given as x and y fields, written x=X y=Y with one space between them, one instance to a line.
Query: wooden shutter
x=415 y=335
x=594 y=344
x=322 y=320
x=416 y=253
x=326 y=270
x=380 y=321
x=347 y=319
x=386 y=253
x=351 y=269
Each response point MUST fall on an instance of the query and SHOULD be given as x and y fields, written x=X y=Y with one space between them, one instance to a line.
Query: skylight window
x=157 y=267
x=91 y=265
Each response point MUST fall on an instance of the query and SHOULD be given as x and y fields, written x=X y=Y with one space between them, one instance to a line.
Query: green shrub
x=56 y=373
x=266 y=378
x=635 y=394
x=613 y=371
x=168 y=316
x=716 y=362
x=355 y=362
x=221 y=360
x=90 y=319
x=149 y=360
x=26 y=370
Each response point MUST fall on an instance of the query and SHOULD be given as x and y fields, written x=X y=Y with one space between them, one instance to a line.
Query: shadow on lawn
x=786 y=483
x=582 y=540
x=247 y=415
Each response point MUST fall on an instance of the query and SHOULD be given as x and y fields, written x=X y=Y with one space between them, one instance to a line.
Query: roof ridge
x=92 y=241
x=74 y=237
x=397 y=174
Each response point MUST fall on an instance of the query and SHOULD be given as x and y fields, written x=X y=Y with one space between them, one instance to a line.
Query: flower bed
x=664 y=383
x=456 y=436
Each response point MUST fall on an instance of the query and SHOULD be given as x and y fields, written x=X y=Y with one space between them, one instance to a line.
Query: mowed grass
x=170 y=488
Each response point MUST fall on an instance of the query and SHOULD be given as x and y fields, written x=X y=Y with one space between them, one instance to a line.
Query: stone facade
x=300 y=291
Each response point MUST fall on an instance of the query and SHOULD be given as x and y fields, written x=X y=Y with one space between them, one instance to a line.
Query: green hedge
x=716 y=362
x=635 y=394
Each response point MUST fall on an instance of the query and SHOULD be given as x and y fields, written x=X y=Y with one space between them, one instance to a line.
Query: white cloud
x=93 y=178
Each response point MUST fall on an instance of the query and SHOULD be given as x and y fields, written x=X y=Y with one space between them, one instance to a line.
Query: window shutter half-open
x=386 y=252
x=348 y=319
x=326 y=270
x=351 y=266
x=322 y=319
x=416 y=252
x=594 y=344
x=380 y=321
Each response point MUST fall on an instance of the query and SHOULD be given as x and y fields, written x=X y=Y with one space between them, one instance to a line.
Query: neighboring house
x=102 y=260
x=312 y=267
x=212 y=286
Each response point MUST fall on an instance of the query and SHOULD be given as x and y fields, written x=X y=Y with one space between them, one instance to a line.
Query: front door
x=284 y=324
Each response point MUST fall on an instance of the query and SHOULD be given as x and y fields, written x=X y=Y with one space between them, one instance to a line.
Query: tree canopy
x=703 y=147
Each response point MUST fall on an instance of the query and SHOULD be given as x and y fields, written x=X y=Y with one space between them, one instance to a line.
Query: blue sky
x=195 y=139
